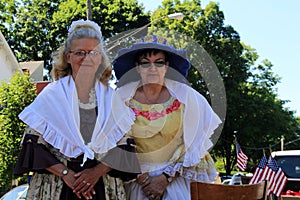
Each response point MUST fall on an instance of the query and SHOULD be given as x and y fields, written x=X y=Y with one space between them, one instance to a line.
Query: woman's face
x=84 y=57
x=152 y=68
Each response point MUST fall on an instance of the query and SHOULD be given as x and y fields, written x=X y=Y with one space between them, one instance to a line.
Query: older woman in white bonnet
x=64 y=119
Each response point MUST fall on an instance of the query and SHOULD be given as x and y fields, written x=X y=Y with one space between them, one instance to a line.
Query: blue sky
x=273 y=29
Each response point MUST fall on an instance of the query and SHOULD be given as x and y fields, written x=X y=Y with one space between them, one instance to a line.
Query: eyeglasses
x=82 y=53
x=149 y=64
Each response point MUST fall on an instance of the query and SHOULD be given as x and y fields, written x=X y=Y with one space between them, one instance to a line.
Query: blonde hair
x=81 y=29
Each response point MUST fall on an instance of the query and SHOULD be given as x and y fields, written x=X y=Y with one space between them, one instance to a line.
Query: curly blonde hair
x=62 y=68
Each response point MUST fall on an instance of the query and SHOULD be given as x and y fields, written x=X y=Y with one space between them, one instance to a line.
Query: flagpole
x=235 y=139
x=270 y=148
x=282 y=143
x=236 y=150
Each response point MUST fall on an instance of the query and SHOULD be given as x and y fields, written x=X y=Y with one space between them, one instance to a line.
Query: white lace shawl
x=199 y=123
x=55 y=115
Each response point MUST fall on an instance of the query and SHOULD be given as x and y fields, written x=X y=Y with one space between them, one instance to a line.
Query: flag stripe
x=269 y=170
x=242 y=158
x=258 y=174
x=276 y=178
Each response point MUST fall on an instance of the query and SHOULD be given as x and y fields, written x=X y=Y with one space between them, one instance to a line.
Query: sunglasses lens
x=148 y=64
x=145 y=64
x=159 y=64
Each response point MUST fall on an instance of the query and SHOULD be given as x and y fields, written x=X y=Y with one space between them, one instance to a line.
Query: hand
x=69 y=179
x=85 y=182
x=155 y=187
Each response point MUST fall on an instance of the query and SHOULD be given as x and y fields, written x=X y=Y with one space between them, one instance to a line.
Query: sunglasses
x=82 y=53
x=149 y=64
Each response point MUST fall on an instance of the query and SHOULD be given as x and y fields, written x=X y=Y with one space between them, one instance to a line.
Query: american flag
x=259 y=171
x=276 y=177
x=241 y=158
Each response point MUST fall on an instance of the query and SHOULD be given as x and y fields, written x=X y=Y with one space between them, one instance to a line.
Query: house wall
x=35 y=69
x=8 y=62
x=37 y=75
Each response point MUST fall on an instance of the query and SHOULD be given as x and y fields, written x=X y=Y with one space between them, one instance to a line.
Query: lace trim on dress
x=92 y=101
x=153 y=115
x=208 y=174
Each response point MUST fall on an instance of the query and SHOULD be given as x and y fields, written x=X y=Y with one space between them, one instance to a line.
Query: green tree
x=35 y=29
x=255 y=114
x=8 y=9
x=14 y=97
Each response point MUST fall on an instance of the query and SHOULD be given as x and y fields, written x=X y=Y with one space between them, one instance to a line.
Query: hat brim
x=125 y=60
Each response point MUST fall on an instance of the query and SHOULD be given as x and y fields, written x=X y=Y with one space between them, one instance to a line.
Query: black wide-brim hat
x=126 y=57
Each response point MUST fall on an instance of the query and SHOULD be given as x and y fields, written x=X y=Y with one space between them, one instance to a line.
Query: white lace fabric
x=92 y=101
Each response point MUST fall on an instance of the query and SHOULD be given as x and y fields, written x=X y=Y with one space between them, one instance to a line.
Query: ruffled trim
x=56 y=139
x=192 y=174
x=119 y=122
x=33 y=156
x=82 y=23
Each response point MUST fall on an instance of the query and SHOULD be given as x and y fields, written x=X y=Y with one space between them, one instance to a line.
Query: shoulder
x=128 y=88
x=183 y=90
x=108 y=88
x=53 y=85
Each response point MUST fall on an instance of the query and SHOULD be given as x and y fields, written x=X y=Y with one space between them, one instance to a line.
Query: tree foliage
x=35 y=29
x=14 y=97
x=254 y=114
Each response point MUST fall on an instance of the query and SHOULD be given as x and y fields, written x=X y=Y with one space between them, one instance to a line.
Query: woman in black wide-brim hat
x=170 y=122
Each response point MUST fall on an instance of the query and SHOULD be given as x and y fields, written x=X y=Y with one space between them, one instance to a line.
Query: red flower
x=155 y=115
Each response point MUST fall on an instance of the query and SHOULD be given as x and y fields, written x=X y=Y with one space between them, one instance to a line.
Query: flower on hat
x=153 y=39
x=149 y=38
x=162 y=40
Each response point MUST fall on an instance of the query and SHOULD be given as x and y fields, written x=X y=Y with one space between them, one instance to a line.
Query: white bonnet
x=84 y=23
